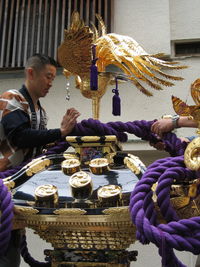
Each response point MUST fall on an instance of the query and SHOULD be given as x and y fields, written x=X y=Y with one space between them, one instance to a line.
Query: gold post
x=95 y=107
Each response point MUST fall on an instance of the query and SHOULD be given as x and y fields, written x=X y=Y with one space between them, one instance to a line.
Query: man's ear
x=30 y=73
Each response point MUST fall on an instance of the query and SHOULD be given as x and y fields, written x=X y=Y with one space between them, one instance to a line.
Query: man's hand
x=69 y=121
x=162 y=126
x=160 y=145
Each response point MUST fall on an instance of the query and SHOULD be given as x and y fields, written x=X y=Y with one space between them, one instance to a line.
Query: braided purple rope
x=178 y=234
x=141 y=129
x=7 y=208
x=94 y=127
x=6 y=217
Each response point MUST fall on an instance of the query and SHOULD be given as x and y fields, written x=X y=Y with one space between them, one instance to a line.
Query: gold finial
x=139 y=67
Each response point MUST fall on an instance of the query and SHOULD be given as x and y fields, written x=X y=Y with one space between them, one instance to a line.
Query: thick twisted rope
x=141 y=129
x=178 y=234
x=6 y=217
x=94 y=127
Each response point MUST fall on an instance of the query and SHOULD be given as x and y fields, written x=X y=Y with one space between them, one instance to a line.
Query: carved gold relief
x=24 y=211
x=185 y=199
x=119 y=211
x=46 y=196
x=180 y=202
x=73 y=229
x=134 y=164
x=69 y=212
x=70 y=166
x=9 y=184
x=99 y=165
x=192 y=154
x=37 y=166
x=190 y=210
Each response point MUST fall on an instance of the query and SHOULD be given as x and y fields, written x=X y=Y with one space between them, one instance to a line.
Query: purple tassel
x=94 y=71
x=116 y=101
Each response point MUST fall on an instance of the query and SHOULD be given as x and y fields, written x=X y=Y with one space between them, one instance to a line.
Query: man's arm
x=166 y=125
x=29 y=138
x=17 y=129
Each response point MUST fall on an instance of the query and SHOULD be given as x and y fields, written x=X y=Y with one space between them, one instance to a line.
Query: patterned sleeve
x=13 y=111
x=12 y=100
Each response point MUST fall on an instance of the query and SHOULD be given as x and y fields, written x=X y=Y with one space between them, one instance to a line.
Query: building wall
x=146 y=21
x=134 y=105
x=150 y=23
x=184 y=19
x=153 y=24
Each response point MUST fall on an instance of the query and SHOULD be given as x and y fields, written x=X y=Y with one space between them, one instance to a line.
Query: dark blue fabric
x=33 y=138
x=17 y=127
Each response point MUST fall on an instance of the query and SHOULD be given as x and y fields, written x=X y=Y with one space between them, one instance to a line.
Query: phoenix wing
x=195 y=91
x=74 y=54
x=182 y=109
x=141 y=68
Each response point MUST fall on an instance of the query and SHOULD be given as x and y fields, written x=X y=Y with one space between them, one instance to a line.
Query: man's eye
x=50 y=77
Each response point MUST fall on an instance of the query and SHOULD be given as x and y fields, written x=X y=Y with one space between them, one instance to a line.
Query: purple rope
x=6 y=217
x=141 y=129
x=94 y=127
x=7 y=209
x=178 y=234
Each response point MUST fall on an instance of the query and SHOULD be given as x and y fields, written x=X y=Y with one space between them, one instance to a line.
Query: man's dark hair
x=38 y=62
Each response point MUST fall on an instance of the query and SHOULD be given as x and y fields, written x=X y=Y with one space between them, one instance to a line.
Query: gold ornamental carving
x=185 y=199
x=25 y=211
x=69 y=212
x=37 y=166
x=117 y=211
x=134 y=163
x=180 y=202
x=73 y=228
x=190 y=210
x=192 y=154
x=10 y=184
x=83 y=44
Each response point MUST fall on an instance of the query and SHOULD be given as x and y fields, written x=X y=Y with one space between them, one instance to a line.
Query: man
x=23 y=121
x=23 y=130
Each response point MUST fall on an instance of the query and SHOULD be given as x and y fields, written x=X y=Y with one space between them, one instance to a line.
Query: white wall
x=134 y=104
x=184 y=19
x=148 y=22
x=145 y=21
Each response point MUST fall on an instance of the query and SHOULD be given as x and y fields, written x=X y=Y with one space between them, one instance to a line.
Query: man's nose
x=50 y=83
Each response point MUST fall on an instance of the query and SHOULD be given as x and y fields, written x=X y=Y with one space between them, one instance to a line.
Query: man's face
x=43 y=80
